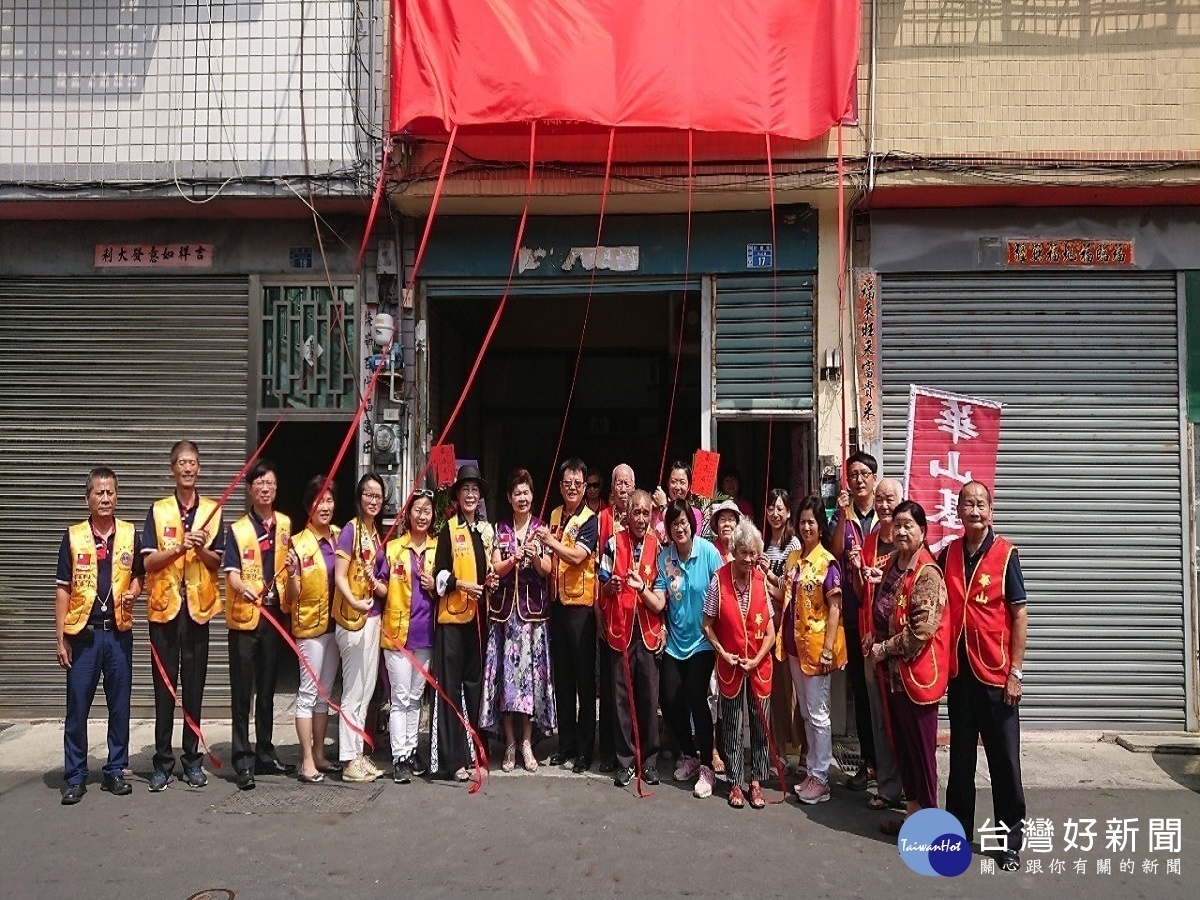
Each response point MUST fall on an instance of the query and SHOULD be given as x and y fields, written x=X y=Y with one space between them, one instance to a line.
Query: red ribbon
x=779 y=766
x=637 y=740
x=481 y=757
x=687 y=261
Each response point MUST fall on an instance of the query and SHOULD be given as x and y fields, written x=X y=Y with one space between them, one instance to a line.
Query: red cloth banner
x=952 y=439
x=704 y=473
x=782 y=67
x=441 y=459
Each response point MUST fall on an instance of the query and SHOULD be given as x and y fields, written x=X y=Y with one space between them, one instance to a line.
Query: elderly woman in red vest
x=739 y=625
x=912 y=640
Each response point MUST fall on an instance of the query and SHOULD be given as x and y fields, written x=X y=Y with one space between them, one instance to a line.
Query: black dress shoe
x=274 y=767
x=1010 y=861
x=623 y=777
x=582 y=764
x=650 y=775
x=116 y=785
x=245 y=780
x=73 y=794
x=607 y=766
x=558 y=759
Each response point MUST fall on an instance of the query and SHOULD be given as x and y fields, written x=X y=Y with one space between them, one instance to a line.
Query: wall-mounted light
x=832 y=369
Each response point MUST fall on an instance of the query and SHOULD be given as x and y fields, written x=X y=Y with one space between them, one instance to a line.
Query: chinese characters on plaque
x=952 y=439
x=866 y=354
x=153 y=256
x=1068 y=252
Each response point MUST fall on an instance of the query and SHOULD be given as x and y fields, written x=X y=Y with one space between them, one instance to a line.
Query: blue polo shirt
x=684 y=583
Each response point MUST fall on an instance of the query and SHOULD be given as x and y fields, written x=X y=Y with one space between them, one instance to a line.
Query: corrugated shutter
x=106 y=371
x=763 y=332
x=1089 y=472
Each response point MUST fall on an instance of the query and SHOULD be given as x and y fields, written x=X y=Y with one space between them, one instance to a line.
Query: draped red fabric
x=782 y=67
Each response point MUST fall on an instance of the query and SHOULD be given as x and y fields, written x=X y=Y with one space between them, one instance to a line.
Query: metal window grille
x=307 y=362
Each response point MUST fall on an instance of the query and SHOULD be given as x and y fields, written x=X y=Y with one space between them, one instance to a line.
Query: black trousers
x=573 y=661
x=977 y=710
x=606 y=724
x=857 y=676
x=684 y=688
x=459 y=669
x=642 y=671
x=253 y=658
x=182 y=646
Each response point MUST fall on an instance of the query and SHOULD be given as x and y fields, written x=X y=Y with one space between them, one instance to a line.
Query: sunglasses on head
x=423 y=492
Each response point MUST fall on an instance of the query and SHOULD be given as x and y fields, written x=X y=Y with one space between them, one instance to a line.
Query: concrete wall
x=96 y=91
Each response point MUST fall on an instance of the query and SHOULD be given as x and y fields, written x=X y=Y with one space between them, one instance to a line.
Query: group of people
x=525 y=627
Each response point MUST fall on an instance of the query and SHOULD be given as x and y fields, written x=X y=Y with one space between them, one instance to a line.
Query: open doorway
x=622 y=396
x=301 y=450
x=743 y=445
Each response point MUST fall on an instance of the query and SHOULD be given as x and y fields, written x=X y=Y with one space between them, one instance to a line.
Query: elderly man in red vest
x=986 y=603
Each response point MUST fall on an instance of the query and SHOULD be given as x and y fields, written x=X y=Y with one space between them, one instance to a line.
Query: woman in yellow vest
x=310 y=566
x=408 y=624
x=813 y=639
x=360 y=591
x=463 y=573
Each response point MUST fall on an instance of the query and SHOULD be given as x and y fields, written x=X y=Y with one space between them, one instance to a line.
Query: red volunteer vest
x=617 y=610
x=979 y=611
x=742 y=635
x=866 y=606
x=926 y=677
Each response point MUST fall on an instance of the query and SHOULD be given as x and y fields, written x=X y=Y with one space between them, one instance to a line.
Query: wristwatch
x=1015 y=673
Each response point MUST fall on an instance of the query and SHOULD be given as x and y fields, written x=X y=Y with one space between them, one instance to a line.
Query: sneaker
x=401 y=772
x=417 y=767
x=812 y=791
x=704 y=784
x=159 y=780
x=195 y=777
x=355 y=771
x=370 y=766
x=686 y=769
x=623 y=777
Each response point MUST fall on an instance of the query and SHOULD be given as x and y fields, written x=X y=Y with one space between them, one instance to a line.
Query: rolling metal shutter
x=763 y=336
x=106 y=371
x=1089 y=473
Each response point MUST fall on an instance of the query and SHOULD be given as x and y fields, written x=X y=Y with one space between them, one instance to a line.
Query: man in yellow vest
x=182 y=550
x=572 y=536
x=256 y=548
x=99 y=576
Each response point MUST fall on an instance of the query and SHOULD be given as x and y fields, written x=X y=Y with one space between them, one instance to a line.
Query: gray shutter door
x=1089 y=472
x=763 y=332
x=107 y=371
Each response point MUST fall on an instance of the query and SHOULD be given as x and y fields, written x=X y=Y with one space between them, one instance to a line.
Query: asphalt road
x=547 y=834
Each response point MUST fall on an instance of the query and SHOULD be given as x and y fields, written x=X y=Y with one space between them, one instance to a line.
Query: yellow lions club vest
x=164 y=587
x=241 y=614
x=84 y=572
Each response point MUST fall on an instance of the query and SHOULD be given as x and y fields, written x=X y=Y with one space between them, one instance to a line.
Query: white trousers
x=360 y=668
x=407 y=687
x=812 y=692
x=321 y=654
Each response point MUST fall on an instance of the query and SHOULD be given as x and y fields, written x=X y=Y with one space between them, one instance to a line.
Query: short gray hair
x=746 y=536
x=891 y=484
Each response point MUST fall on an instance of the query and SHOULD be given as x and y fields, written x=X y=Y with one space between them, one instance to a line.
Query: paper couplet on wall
x=441 y=459
x=704 y=472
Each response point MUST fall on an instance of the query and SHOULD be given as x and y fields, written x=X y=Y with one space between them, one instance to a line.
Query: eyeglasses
x=423 y=492
x=572 y=484
x=372 y=496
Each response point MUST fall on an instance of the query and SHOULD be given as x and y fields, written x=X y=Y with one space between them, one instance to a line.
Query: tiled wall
x=1075 y=78
x=152 y=90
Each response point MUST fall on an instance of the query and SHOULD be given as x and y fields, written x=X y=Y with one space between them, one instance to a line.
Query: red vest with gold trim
x=979 y=611
x=742 y=635
x=926 y=677
x=866 y=607
x=617 y=610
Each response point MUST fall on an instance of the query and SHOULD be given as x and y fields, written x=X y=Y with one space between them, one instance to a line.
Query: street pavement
x=555 y=834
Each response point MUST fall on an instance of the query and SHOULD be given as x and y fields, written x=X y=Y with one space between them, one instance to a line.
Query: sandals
x=528 y=760
x=736 y=799
x=510 y=758
x=718 y=764
x=461 y=774
x=756 y=797
x=878 y=802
